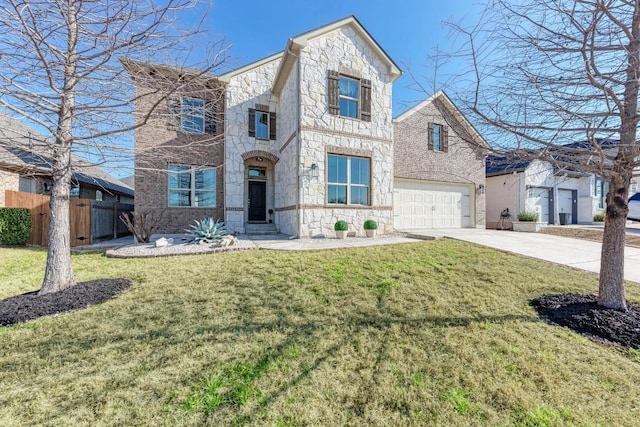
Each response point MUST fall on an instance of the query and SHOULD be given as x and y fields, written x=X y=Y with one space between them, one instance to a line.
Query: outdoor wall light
x=481 y=189
x=47 y=186
x=314 y=170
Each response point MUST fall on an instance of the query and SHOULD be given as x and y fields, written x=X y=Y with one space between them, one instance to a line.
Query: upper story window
x=192 y=115
x=192 y=186
x=262 y=122
x=438 y=137
x=348 y=180
x=349 y=96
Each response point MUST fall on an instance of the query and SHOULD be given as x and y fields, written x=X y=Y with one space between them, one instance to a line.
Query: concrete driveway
x=575 y=253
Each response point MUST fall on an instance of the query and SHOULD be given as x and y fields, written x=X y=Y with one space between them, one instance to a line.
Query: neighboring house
x=538 y=186
x=25 y=167
x=439 y=168
x=302 y=138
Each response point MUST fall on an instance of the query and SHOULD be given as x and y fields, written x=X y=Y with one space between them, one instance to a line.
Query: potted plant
x=341 y=227
x=528 y=222
x=370 y=227
x=270 y=211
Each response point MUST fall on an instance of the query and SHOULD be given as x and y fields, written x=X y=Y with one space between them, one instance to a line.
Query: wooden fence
x=89 y=220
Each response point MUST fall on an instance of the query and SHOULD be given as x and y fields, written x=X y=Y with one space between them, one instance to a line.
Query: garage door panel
x=431 y=205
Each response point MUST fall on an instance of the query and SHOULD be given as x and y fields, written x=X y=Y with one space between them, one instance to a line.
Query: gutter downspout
x=299 y=141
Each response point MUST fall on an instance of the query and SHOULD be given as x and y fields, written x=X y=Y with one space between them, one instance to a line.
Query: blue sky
x=408 y=30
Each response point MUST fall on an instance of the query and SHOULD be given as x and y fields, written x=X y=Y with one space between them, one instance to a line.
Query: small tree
x=59 y=71
x=546 y=74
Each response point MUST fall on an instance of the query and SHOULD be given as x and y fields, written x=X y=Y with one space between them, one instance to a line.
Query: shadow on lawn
x=224 y=391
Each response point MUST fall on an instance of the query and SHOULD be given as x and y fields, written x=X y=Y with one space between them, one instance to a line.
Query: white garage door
x=429 y=205
x=539 y=199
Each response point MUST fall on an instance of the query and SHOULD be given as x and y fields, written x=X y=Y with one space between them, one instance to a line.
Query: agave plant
x=207 y=231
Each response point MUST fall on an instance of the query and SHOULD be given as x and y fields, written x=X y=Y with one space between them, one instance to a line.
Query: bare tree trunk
x=59 y=273
x=611 y=285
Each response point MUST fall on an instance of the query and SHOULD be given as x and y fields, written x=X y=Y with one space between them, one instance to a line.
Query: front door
x=257 y=201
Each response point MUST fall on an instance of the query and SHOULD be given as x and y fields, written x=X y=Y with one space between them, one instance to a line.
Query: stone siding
x=323 y=134
x=8 y=181
x=243 y=92
x=463 y=163
x=156 y=146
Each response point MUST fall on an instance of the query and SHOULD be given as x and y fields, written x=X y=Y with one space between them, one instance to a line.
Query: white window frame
x=192 y=187
x=349 y=98
x=195 y=111
x=349 y=184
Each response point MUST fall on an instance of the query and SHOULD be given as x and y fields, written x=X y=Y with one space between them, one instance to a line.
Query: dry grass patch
x=585 y=234
x=432 y=333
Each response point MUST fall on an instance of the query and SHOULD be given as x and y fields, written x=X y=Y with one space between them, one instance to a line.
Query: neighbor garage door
x=419 y=204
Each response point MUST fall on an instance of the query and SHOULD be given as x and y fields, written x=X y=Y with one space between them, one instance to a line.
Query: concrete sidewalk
x=581 y=254
x=283 y=242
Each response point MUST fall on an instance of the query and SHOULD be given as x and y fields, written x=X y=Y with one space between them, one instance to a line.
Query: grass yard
x=431 y=333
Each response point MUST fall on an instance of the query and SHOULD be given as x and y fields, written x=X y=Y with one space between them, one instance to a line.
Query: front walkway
x=581 y=254
x=283 y=242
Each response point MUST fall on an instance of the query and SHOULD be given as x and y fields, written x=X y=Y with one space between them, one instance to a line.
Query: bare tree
x=59 y=72
x=544 y=75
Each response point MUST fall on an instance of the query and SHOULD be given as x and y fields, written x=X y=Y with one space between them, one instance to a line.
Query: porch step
x=260 y=229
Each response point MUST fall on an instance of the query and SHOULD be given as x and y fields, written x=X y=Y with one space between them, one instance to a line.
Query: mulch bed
x=581 y=314
x=30 y=306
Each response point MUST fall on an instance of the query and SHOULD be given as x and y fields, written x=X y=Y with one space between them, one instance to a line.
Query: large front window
x=349 y=96
x=348 y=180
x=192 y=186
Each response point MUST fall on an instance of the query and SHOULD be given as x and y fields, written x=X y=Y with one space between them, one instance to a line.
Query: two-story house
x=299 y=139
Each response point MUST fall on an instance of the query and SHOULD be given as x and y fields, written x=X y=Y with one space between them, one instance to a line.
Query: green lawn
x=432 y=333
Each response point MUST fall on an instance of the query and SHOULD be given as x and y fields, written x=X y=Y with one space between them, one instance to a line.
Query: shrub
x=528 y=216
x=341 y=226
x=207 y=231
x=142 y=224
x=370 y=225
x=15 y=225
x=599 y=217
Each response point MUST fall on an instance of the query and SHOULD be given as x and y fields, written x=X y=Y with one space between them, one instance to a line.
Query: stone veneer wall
x=463 y=163
x=155 y=147
x=288 y=168
x=8 y=181
x=322 y=133
x=244 y=91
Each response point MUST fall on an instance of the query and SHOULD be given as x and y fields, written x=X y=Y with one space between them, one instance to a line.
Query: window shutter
x=173 y=117
x=445 y=139
x=430 y=137
x=252 y=122
x=272 y=125
x=365 y=94
x=210 y=117
x=334 y=92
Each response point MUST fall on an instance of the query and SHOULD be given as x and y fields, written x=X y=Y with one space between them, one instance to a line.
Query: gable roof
x=452 y=108
x=297 y=43
x=22 y=149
